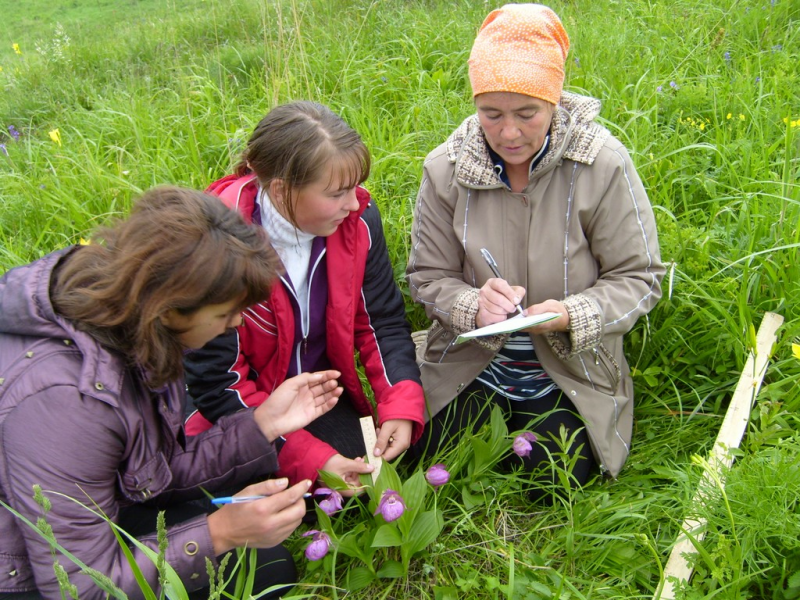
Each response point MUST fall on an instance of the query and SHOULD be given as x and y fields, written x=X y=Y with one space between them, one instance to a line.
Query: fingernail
x=282 y=481
x=516 y=299
x=377 y=452
x=308 y=483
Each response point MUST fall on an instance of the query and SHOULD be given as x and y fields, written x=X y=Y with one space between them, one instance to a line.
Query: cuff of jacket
x=462 y=320
x=189 y=546
x=405 y=400
x=585 y=327
x=302 y=456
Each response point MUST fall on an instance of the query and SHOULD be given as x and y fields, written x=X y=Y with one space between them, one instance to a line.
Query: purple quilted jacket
x=80 y=423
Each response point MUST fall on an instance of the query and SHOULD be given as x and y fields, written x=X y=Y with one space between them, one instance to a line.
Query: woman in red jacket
x=300 y=179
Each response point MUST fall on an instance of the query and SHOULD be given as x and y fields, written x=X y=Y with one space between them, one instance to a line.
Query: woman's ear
x=170 y=318
x=277 y=191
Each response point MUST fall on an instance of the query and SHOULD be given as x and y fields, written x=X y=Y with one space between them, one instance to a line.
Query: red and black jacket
x=364 y=313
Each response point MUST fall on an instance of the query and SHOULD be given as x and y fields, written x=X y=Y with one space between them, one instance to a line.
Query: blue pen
x=241 y=499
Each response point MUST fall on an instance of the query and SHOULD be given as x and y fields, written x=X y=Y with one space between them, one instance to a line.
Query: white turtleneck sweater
x=293 y=247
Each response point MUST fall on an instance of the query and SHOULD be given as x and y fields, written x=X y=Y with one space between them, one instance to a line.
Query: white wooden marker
x=719 y=459
x=370 y=439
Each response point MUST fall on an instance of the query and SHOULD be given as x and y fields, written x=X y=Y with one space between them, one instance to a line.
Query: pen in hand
x=241 y=499
x=493 y=266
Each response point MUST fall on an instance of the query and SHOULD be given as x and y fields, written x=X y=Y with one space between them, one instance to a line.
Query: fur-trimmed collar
x=573 y=135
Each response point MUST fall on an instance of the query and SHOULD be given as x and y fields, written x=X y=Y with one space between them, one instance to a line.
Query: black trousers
x=340 y=428
x=274 y=566
x=471 y=410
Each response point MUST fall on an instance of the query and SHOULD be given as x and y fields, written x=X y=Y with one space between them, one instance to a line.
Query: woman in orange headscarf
x=556 y=201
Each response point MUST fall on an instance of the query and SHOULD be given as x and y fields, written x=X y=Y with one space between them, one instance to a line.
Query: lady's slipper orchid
x=391 y=506
x=437 y=475
x=319 y=546
x=522 y=444
x=332 y=501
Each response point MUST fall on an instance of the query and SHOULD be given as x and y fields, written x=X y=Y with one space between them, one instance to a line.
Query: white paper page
x=508 y=326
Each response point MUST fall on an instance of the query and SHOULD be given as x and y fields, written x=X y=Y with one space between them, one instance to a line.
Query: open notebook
x=508 y=326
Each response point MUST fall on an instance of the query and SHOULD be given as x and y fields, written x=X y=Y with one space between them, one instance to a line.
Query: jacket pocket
x=147 y=481
x=597 y=367
x=438 y=343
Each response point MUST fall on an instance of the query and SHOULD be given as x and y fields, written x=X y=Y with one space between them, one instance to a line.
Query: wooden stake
x=719 y=459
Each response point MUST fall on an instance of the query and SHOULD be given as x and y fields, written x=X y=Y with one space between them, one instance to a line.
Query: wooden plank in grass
x=719 y=459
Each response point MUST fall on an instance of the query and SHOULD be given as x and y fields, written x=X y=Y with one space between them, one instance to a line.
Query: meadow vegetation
x=103 y=100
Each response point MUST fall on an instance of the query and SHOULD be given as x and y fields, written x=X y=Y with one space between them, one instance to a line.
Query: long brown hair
x=179 y=249
x=296 y=142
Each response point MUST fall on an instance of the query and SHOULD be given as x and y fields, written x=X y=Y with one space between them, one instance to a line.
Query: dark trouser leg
x=558 y=411
x=468 y=412
x=472 y=408
x=340 y=428
x=274 y=566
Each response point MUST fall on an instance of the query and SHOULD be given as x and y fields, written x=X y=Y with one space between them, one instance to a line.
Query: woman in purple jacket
x=92 y=399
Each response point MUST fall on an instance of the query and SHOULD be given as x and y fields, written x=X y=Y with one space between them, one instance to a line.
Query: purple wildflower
x=522 y=444
x=727 y=56
x=674 y=85
x=577 y=62
x=437 y=475
x=3 y=149
x=14 y=133
x=777 y=48
x=391 y=506
x=660 y=89
x=332 y=502
x=758 y=79
x=319 y=546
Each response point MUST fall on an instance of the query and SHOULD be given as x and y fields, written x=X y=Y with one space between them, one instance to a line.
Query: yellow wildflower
x=55 y=135
x=796 y=351
x=796 y=123
x=729 y=117
x=702 y=126
x=785 y=119
x=741 y=117
x=84 y=242
x=16 y=48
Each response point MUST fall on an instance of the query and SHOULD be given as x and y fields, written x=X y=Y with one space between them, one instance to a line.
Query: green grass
x=148 y=93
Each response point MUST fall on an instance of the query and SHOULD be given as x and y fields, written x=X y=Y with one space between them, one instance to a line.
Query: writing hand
x=496 y=300
x=262 y=523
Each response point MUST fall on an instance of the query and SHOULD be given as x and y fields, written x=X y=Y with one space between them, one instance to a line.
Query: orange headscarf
x=520 y=48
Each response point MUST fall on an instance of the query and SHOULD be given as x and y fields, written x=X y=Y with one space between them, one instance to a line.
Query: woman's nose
x=509 y=131
x=352 y=200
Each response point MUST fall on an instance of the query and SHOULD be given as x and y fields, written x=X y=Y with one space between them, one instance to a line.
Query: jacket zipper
x=613 y=377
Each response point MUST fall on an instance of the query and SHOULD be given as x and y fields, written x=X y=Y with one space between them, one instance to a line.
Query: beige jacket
x=581 y=232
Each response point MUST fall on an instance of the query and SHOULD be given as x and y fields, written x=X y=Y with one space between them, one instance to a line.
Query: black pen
x=493 y=266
